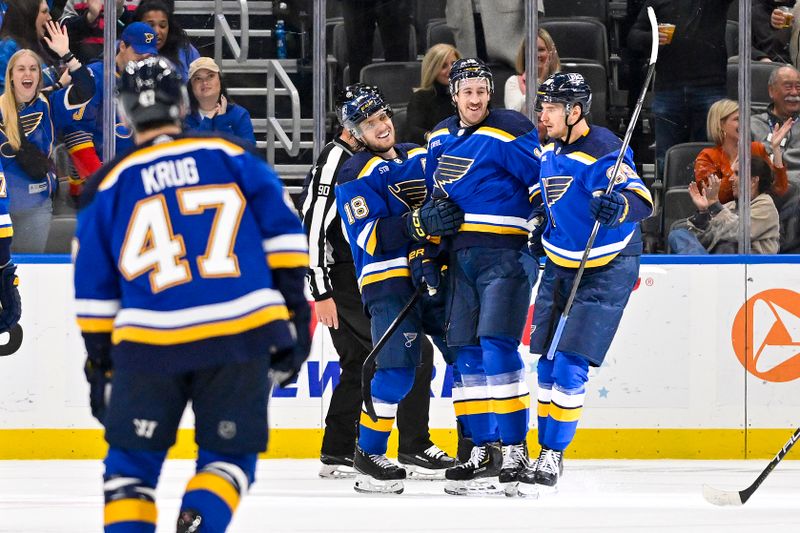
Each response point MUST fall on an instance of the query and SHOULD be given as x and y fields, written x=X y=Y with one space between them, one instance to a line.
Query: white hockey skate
x=377 y=474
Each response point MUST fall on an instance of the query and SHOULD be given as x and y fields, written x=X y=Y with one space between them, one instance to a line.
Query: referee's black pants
x=353 y=342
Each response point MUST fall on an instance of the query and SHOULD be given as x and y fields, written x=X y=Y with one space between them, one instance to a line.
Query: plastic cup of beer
x=668 y=29
x=788 y=16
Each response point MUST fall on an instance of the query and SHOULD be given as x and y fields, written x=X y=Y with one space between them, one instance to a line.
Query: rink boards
x=705 y=365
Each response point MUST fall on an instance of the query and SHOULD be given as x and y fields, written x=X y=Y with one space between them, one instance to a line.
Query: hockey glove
x=440 y=217
x=99 y=373
x=539 y=222
x=9 y=298
x=424 y=267
x=610 y=210
x=285 y=365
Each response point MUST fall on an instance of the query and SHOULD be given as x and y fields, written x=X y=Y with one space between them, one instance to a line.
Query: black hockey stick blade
x=734 y=497
x=368 y=368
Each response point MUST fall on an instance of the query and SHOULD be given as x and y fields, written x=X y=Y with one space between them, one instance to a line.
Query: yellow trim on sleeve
x=575 y=263
x=7 y=231
x=372 y=241
x=488 y=228
x=402 y=272
x=81 y=146
x=96 y=325
x=217 y=486
x=287 y=259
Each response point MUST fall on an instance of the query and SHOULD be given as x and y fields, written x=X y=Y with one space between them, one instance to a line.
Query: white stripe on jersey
x=293 y=242
x=200 y=314
x=516 y=222
x=595 y=252
x=86 y=307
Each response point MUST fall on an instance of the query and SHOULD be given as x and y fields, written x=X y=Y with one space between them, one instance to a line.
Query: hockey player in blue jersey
x=189 y=286
x=381 y=198
x=576 y=167
x=486 y=161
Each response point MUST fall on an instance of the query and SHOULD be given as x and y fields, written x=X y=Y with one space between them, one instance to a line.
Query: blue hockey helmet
x=568 y=88
x=152 y=92
x=464 y=69
x=358 y=102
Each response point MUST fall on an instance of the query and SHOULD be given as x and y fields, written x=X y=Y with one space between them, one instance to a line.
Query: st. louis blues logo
x=555 y=187
x=410 y=338
x=450 y=170
x=411 y=192
x=148 y=37
x=28 y=123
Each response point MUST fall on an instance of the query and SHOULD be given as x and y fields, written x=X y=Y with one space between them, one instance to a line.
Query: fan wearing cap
x=486 y=161
x=84 y=136
x=577 y=166
x=210 y=107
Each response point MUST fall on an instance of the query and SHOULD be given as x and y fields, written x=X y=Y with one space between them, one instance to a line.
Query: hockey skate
x=428 y=464
x=467 y=479
x=542 y=477
x=189 y=521
x=376 y=474
x=336 y=466
x=515 y=460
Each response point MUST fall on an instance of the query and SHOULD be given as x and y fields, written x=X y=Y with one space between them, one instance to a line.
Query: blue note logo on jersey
x=451 y=169
x=411 y=192
x=556 y=187
x=29 y=123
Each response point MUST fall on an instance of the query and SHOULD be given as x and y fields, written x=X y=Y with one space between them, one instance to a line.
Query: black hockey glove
x=9 y=298
x=98 y=374
x=610 y=210
x=424 y=266
x=286 y=365
x=539 y=222
x=440 y=217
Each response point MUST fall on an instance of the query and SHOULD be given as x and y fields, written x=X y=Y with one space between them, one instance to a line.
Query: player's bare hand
x=327 y=314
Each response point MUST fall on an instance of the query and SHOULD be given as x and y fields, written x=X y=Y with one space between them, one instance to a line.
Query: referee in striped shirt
x=333 y=284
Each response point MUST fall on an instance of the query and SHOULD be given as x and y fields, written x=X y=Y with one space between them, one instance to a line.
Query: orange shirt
x=714 y=161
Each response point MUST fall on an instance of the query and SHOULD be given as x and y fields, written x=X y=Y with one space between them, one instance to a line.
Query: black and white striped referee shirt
x=326 y=241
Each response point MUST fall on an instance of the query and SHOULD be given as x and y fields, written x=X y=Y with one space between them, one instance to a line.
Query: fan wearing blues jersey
x=486 y=161
x=576 y=168
x=189 y=287
x=381 y=197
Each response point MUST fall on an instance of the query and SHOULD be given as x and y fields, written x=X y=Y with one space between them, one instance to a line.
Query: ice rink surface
x=65 y=496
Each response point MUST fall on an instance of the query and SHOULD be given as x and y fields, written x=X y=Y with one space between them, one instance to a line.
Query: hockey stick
x=625 y=143
x=367 y=369
x=733 y=497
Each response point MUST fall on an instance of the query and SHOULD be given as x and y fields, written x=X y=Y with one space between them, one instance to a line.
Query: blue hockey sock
x=544 y=370
x=129 y=485
x=506 y=378
x=216 y=489
x=472 y=401
x=570 y=373
x=389 y=386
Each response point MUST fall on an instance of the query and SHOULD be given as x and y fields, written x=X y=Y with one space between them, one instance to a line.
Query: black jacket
x=426 y=109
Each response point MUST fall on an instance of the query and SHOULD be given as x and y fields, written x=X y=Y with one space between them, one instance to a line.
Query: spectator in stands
x=691 y=69
x=24 y=26
x=173 y=42
x=547 y=62
x=770 y=34
x=393 y=18
x=784 y=94
x=85 y=21
x=483 y=28
x=83 y=134
x=723 y=130
x=431 y=103
x=211 y=108
x=29 y=119
x=715 y=227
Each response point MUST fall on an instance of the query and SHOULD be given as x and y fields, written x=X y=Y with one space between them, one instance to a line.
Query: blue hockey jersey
x=488 y=170
x=570 y=175
x=372 y=194
x=171 y=259
x=6 y=229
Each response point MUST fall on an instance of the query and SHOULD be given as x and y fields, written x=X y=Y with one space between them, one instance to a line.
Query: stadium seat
x=759 y=77
x=426 y=11
x=339 y=46
x=500 y=72
x=399 y=120
x=578 y=37
x=59 y=238
x=732 y=38
x=576 y=8
x=595 y=75
x=439 y=32
x=677 y=205
x=396 y=80
x=679 y=164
